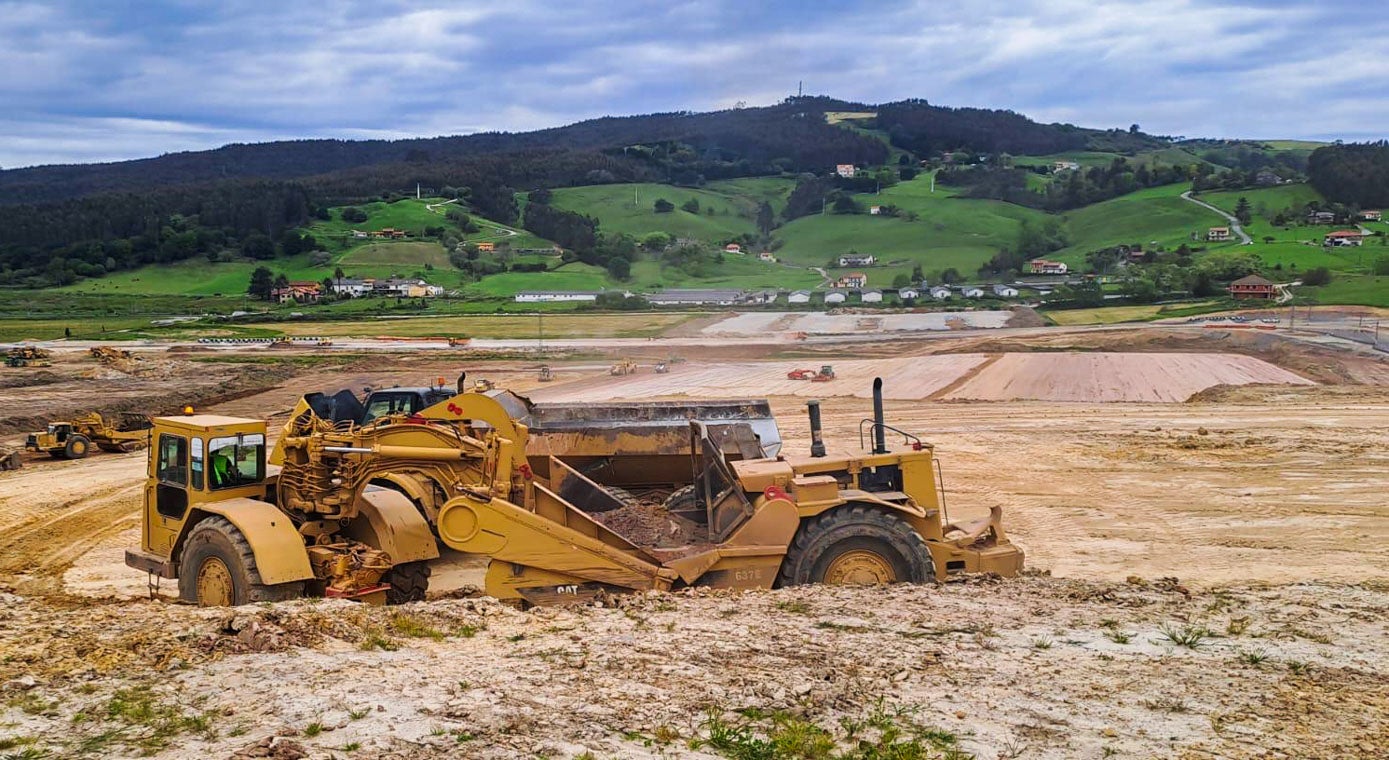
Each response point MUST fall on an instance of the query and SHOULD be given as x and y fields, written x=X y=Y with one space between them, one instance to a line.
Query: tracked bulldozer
x=354 y=509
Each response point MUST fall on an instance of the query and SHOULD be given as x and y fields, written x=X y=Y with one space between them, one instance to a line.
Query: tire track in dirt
x=60 y=511
x=966 y=377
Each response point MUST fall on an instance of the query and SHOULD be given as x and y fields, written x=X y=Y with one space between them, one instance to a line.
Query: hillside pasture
x=1154 y=214
x=397 y=254
x=629 y=208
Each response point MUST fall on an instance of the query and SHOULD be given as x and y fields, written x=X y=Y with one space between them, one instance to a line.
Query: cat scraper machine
x=348 y=503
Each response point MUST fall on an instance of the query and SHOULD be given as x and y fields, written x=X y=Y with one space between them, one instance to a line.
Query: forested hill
x=59 y=223
x=790 y=136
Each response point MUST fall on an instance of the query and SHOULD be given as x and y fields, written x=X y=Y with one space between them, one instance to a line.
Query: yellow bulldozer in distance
x=354 y=508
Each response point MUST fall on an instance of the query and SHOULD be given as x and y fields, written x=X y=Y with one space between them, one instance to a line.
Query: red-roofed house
x=853 y=280
x=733 y=248
x=1043 y=266
x=1252 y=286
x=1343 y=237
x=297 y=292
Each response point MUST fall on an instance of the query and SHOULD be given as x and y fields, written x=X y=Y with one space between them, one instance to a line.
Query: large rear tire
x=409 y=582
x=857 y=545
x=77 y=447
x=218 y=569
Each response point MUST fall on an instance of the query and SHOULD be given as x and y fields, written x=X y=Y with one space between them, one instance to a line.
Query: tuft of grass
x=794 y=606
x=1252 y=656
x=377 y=639
x=1165 y=704
x=1191 y=636
x=1298 y=667
x=359 y=714
x=1041 y=643
x=830 y=625
x=516 y=637
x=150 y=724
x=886 y=732
x=412 y=627
x=28 y=753
x=1117 y=636
x=350 y=747
x=468 y=631
x=10 y=742
x=313 y=729
x=1237 y=626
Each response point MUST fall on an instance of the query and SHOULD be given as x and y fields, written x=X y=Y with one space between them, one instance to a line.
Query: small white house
x=875 y=210
x=970 y=291
x=352 y=288
x=908 y=293
x=844 y=170
x=940 y=293
x=871 y=296
x=799 y=296
x=836 y=296
x=1005 y=291
x=767 y=257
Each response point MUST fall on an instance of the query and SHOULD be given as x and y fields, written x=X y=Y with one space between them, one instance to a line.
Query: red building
x=1252 y=286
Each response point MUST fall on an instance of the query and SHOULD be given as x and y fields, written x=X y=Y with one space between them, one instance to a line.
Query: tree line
x=1355 y=174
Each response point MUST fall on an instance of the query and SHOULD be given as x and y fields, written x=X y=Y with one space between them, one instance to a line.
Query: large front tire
x=857 y=545
x=218 y=569
x=409 y=582
x=77 y=447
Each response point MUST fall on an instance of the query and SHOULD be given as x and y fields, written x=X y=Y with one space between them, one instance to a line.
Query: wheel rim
x=79 y=447
x=860 y=567
x=214 y=584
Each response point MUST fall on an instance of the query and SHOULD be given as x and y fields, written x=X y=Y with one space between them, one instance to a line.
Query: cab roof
x=204 y=421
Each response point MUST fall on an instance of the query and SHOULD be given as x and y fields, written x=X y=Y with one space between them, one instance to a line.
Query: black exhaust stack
x=817 y=441
x=879 y=422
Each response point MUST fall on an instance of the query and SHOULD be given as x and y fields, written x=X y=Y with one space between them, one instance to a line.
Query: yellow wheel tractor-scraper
x=74 y=439
x=353 y=509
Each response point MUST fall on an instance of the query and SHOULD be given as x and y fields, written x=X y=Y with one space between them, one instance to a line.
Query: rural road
x=500 y=230
x=1234 y=223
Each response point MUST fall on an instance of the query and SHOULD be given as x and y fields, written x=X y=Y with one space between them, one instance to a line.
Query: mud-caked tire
x=77 y=447
x=218 y=568
x=409 y=582
x=857 y=545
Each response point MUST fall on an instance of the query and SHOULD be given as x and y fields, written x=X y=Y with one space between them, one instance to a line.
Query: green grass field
x=1153 y=214
x=949 y=232
x=397 y=254
x=628 y=208
x=1364 y=290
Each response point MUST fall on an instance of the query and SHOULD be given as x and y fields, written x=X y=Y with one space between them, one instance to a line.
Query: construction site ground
x=1204 y=516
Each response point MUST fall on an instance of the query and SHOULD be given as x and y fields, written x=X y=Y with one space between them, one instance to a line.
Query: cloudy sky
x=100 y=80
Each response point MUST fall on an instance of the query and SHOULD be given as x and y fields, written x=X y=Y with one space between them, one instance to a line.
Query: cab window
x=173 y=460
x=235 y=461
x=396 y=403
x=196 y=468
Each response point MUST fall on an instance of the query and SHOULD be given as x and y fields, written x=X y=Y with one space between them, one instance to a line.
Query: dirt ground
x=1206 y=578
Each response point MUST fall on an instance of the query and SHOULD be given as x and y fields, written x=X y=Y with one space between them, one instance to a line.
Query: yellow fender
x=276 y=544
x=388 y=521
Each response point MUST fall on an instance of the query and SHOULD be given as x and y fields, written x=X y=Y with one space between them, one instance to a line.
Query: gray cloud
x=93 y=81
